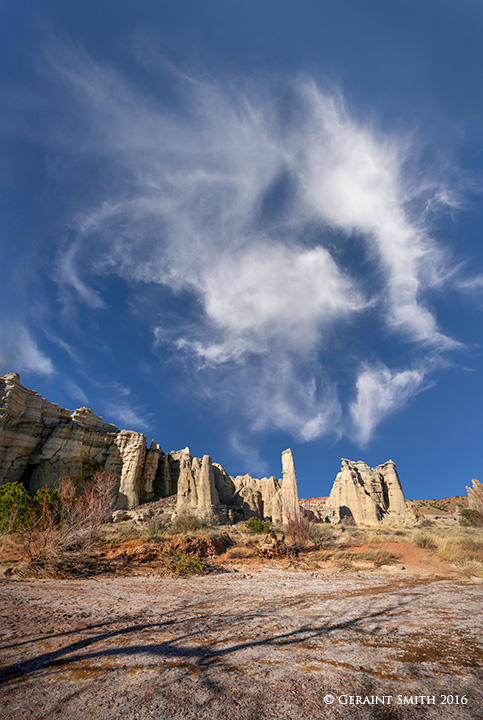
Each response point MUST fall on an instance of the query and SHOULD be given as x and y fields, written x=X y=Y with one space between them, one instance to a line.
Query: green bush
x=181 y=563
x=19 y=510
x=256 y=525
x=15 y=506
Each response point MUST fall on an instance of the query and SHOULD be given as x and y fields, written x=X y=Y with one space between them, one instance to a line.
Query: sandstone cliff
x=41 y=443
x=361 y=494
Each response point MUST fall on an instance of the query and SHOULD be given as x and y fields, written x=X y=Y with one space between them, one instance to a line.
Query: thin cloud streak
x=20 y=352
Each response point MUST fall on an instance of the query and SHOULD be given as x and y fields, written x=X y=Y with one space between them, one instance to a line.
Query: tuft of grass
x=154 y=530
x=322 y=532
x=464 y=552
x=422 y=540
x=381 y=557
x=241 y=551
x=187 y=522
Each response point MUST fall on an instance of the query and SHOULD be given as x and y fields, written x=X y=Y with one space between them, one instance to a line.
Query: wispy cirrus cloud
x=285 y=219
x=380 y=391
x=126 y=416
x=19 y=351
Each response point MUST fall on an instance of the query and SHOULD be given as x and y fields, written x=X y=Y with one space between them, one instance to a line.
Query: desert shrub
x=464 y=552
x=180 y=563
x=62 y=525
x=187 y=522
x=15 y=506
x=256 y=525
x=323 y=532
x=19 y=509
x=153 y=529
x=424 y=541
x=299 y=525
x=426 y=523
x=380 y=557
x=471 y=518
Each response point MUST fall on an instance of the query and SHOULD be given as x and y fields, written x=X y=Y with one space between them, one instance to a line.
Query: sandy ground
x=244 y=645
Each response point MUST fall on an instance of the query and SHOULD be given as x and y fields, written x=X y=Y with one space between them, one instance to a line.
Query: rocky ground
x=253 y=643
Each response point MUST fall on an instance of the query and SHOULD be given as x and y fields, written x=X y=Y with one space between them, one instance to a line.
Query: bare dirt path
x=272 y=644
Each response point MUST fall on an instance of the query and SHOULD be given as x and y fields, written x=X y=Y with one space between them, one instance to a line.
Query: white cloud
x=75 y=391
x=354 y=178
x=68 y=275
x=250 y=455
x=472 y=285
x=381 y=391
x=250 y=210
x=19 y=351
x=128 y=418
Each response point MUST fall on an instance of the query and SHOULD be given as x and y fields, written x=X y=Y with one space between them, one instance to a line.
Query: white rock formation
x=40 y=443
x=365 y=495
x=289 y=491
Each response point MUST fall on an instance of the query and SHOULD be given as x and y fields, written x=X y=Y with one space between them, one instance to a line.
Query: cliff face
x=41 y=443
x=367 y=495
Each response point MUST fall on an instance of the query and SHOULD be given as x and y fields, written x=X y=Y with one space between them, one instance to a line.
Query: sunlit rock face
x=365 y=495
x=40 y=443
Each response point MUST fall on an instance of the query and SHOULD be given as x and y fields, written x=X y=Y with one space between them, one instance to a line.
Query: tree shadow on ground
x=202 y=655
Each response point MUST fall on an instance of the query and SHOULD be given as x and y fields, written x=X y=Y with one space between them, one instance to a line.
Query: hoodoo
x=366 y=495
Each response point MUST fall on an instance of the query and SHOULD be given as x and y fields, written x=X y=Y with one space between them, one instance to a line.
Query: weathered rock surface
x=361 y=494
x=41 y=443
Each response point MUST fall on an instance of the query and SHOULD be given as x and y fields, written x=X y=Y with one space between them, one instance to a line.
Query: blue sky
x=247 y=226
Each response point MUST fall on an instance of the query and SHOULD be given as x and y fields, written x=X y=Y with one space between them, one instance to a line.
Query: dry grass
x=423 y=540
x=187 y=523
x=464 y=552
x=241 y=552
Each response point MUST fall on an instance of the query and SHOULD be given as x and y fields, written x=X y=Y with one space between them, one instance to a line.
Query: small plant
x=180 y=563
x=323 y=532
x=300 y=524
x=153 y=530
x=425 y=541
x=426 y=523
x=255 y=525
x=187 y=522
x=471 y=518
x=381 y=557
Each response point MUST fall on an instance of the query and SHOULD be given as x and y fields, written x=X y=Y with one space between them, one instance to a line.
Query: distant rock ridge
x=365 y=495
x=40 y=442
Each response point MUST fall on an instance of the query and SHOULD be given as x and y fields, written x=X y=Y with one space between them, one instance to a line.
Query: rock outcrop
x=41 y=443
x=364 y=495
